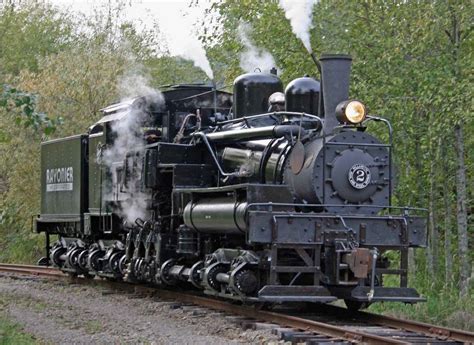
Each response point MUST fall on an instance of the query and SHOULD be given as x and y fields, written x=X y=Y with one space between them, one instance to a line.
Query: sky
x=171 y=15
x=176 y=21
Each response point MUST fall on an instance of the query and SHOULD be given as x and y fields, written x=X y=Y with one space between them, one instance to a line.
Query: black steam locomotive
x=259 y=195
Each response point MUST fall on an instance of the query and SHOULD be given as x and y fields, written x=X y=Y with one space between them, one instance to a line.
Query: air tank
x=302 y=95
x=251 y=93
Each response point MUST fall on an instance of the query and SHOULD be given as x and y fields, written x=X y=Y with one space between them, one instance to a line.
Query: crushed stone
x=58 y=312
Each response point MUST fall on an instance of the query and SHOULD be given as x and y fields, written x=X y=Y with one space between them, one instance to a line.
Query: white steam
x=300 y=15
x=129 y=139
x=195 y=52
x=182 y=38
x=253 y=57
x=135 y=83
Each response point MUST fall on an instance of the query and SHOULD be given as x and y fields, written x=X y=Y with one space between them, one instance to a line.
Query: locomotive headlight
x=350 y=111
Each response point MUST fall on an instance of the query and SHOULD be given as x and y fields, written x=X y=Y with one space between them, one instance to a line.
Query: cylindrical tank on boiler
x=251 y=93
x=302 y=95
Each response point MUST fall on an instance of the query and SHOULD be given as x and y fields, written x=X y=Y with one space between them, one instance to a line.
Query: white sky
x=175 y=18
x=176 y=21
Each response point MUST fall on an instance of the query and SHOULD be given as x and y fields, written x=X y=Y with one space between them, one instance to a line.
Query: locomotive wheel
x=195 y=274
x=114 y=262
x=72 y=258
x=56 y=256
x=93 y=260
x=164 y=272
x=246 y=282
x=123 y=264
x=210 y=275
x=82 y=260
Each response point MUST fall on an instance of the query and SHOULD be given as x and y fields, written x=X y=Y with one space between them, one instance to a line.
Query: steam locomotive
x=263 y=195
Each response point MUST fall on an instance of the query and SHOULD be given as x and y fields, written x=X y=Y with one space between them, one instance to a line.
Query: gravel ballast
x=60 y=312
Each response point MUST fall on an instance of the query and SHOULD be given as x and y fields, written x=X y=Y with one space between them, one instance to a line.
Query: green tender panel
x=96 y=141
x=61 y=172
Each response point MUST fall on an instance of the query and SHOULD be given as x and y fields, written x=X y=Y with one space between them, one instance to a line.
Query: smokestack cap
x=335 y=56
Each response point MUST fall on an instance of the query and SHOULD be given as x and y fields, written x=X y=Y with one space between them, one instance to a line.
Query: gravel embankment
x=63 y=313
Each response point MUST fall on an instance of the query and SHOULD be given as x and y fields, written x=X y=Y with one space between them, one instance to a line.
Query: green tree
x=30 y=32
x=413 y=65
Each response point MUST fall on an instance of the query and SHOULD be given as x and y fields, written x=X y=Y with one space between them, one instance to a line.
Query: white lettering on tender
x=59 y=179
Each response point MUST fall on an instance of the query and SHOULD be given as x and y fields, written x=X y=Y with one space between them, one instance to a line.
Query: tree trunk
x=461 y=197
x=448 y=260
x=432 y=253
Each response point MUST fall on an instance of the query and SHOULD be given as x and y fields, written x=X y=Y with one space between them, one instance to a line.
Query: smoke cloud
x=300 y=15
x=129 y=139
x=195 y=52
x=182 y=39
x=253 y=57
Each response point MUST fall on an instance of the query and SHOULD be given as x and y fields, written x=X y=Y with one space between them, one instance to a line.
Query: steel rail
x=31 y=270
x=420 y=327
x=426 y=329
x=280 y=318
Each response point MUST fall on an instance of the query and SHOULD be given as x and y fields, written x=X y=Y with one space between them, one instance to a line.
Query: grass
x=443 y=306
x=93 y=326
x=12 y=333
x=23 y=247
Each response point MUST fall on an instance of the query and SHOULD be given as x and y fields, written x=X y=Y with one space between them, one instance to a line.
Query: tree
x=30 y=32
x=411 y=64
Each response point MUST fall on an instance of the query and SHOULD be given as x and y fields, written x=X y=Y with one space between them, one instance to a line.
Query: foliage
x=30 y=32
x=443 y=307
x=68 y=82
x=170 y=70
x=11 y=333
x=12 y=99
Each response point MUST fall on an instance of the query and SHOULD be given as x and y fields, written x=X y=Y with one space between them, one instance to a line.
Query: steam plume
x=300 y=15
x=182 y=39
x=129 y=138
x=253 y=57
x=196 y=53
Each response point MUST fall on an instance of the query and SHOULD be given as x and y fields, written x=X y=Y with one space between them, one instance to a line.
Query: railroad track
x=31 y=270
x=329 y=324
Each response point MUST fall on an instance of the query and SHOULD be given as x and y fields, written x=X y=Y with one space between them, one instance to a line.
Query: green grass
x=93 y=326
x=11 y=333
x=443 y=307
x=20 y=246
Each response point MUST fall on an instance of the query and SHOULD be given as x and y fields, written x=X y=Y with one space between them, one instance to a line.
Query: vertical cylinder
x=251 y=92
x=335 y=72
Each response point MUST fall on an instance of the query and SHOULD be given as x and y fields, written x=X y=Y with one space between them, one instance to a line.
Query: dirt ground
x=58 y=312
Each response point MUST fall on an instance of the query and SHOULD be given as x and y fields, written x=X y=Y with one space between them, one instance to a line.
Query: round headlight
x=350 y=111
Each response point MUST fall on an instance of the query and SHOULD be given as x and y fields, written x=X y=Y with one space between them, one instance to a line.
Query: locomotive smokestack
x=335 y=75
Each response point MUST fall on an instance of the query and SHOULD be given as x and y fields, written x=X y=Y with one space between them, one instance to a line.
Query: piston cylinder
x=221 y=215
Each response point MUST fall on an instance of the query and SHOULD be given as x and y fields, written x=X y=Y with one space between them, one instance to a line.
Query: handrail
x=271 y=204
x=390 y=142
x=275 y=113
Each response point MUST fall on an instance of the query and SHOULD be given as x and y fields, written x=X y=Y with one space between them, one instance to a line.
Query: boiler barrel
x=221 y=215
